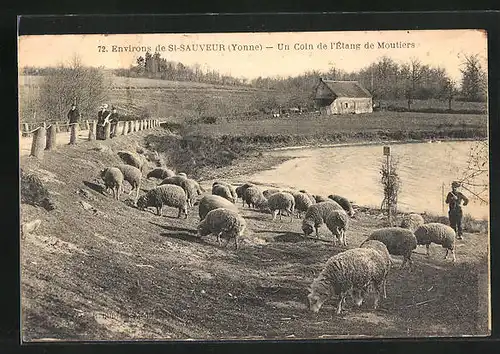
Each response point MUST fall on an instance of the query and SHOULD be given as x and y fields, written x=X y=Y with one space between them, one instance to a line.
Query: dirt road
x=61 y=139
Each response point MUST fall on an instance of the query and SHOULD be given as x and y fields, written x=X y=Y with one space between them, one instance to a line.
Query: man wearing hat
x=454 y=199
x=73 y=114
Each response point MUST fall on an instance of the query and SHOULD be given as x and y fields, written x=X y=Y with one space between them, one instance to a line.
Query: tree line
x=384 y=78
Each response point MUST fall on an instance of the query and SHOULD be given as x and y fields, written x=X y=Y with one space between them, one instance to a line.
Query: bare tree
x=449 y=91
x=475 y=176
x=413 y=73
x=75 y=83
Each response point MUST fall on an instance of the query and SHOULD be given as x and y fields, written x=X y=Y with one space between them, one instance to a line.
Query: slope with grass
x=101 y=269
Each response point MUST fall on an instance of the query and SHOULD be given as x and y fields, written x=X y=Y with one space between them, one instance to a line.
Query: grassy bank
x=202 y=149
x=112 y=272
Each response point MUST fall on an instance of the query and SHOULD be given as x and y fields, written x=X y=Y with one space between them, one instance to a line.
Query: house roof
x=347 y=89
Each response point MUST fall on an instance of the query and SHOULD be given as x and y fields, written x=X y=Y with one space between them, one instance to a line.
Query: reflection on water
x=353 y=171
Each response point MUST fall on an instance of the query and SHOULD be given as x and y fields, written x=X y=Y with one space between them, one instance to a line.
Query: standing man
x=73 y=114
x=454 y=199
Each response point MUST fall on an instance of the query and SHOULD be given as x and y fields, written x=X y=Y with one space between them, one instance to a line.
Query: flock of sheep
x=354 y=272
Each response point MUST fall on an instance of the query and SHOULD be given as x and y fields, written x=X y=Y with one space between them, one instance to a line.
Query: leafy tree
x=473 y=79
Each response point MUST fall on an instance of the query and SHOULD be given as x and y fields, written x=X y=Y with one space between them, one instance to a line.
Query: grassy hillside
x=112 y=272
x=181 y=101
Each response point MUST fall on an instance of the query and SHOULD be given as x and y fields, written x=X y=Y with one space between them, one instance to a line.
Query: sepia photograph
x=254 y=186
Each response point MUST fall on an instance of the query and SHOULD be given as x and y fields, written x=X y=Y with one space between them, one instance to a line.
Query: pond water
x=354 y=172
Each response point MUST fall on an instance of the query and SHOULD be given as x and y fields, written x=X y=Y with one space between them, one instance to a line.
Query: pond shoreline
x=372 y=143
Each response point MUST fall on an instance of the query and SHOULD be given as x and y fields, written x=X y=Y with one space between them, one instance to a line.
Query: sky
x=438 y=48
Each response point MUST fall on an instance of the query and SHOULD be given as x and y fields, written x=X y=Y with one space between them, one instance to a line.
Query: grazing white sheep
x=279 y=202
x=382 y=249
x=344 y=203
x=399 y=242
x=269 y=192
x=161 y=173
x=437 y=233
x=113 y=179
x=168 y=194
x=320 y=198
x=240 y=191
x=133 y=159
x=211 y=202
x=222 y=191
x=254 y=198
x=133 y=176
x=223 y=223
x=346 y=272
x=302 y=203
x=186 y=184
x=231 y=188
x=337 y=222
x=315 y=216
x=412 y=221
x=310 y=196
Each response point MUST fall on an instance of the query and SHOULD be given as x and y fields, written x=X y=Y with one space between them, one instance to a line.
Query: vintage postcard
x=254 y=186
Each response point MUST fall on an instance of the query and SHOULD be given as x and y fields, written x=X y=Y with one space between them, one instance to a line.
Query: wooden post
x=57 y=127
x=73 y=133
x=107 y=131
x=92 y=130
x=26 y=129
x=442 y=198
x=126 y=127
x=136 y=125
x=141 y=125
x=87 y=125
x=148 y=123
x=51 y=138
x=38 y=143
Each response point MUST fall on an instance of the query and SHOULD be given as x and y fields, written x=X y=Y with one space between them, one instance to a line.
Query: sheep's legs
x=275 y=212
x=159 y=210
x=339 y=306
x=236 y=242
x=427 y=249
x=405 y=260
x=383 y=285
x=218 y=238
x=377 y=296
x=317 y=233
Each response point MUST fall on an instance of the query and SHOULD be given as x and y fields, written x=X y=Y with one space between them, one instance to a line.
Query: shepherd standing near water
x=454 y=199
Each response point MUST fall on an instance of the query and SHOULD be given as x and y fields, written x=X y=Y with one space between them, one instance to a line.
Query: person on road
x=102 y=119
x=454 y=199
x=73 y=114
x=113 y=118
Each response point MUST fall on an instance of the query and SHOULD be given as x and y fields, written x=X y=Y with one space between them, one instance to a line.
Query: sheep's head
x=307 y=228
x=316 y=300
x=203 y=229
x=102 y=172
x=357 y=296
x=142 y=202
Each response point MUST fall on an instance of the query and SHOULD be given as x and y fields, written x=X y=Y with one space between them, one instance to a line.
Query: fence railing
x=44 y=136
